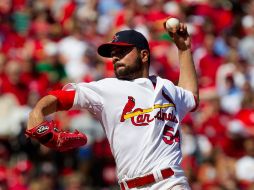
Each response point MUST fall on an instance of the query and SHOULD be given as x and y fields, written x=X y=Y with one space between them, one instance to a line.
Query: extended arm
x=46 y=132
x=188 y=77
x=45 y=106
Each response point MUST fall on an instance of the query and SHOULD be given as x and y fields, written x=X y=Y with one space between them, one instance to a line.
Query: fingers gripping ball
x=49 y=135
x=172 y=24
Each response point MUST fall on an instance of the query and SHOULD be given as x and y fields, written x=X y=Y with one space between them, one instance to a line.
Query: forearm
x=47 y=132
x=44 y=107
x=188 y=77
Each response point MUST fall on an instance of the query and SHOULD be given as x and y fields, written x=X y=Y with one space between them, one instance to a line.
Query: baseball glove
x=49 y=135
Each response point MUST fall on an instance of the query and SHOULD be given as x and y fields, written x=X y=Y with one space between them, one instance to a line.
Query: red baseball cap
x=125 y=38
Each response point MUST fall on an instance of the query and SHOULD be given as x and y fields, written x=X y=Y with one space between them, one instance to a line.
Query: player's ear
x=144 y=55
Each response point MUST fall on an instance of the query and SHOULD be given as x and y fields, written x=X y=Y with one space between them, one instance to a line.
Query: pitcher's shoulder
x=166 y=82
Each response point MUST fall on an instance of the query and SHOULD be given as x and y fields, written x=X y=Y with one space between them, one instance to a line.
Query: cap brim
x=104 y=50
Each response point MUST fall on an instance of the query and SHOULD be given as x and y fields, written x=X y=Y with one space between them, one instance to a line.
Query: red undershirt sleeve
x=65 y=99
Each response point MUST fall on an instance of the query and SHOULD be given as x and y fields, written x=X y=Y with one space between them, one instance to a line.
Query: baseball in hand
x=172 y=24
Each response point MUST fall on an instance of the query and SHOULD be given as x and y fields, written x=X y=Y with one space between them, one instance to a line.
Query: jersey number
x=168 y=135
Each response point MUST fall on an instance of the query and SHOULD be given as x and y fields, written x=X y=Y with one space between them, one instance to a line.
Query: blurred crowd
x=45 y=44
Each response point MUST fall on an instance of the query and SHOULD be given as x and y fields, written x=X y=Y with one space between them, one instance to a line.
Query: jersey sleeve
x=87 y=96
x=65 y=98
x=185 y=101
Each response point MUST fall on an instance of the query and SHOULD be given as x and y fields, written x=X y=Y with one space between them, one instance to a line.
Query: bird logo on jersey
x=128 y=107
x=142 y=117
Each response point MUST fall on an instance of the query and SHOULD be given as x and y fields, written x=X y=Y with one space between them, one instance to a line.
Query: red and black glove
x=49 y=135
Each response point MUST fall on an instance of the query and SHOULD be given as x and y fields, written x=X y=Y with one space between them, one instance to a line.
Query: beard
x=129 y=72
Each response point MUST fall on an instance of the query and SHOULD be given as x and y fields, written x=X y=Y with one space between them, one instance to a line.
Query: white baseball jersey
x=141 y=120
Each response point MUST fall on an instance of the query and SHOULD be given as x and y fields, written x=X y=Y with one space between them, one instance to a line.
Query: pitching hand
x=180 y=37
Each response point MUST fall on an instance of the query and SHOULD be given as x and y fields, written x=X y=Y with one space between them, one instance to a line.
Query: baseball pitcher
x=141 y=114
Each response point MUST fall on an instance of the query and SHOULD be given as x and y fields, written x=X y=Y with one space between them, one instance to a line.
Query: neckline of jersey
x=144 y=79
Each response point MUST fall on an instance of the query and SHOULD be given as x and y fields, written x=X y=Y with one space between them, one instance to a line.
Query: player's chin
x=122 y=76
x=124 y=73
x=120 y=71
